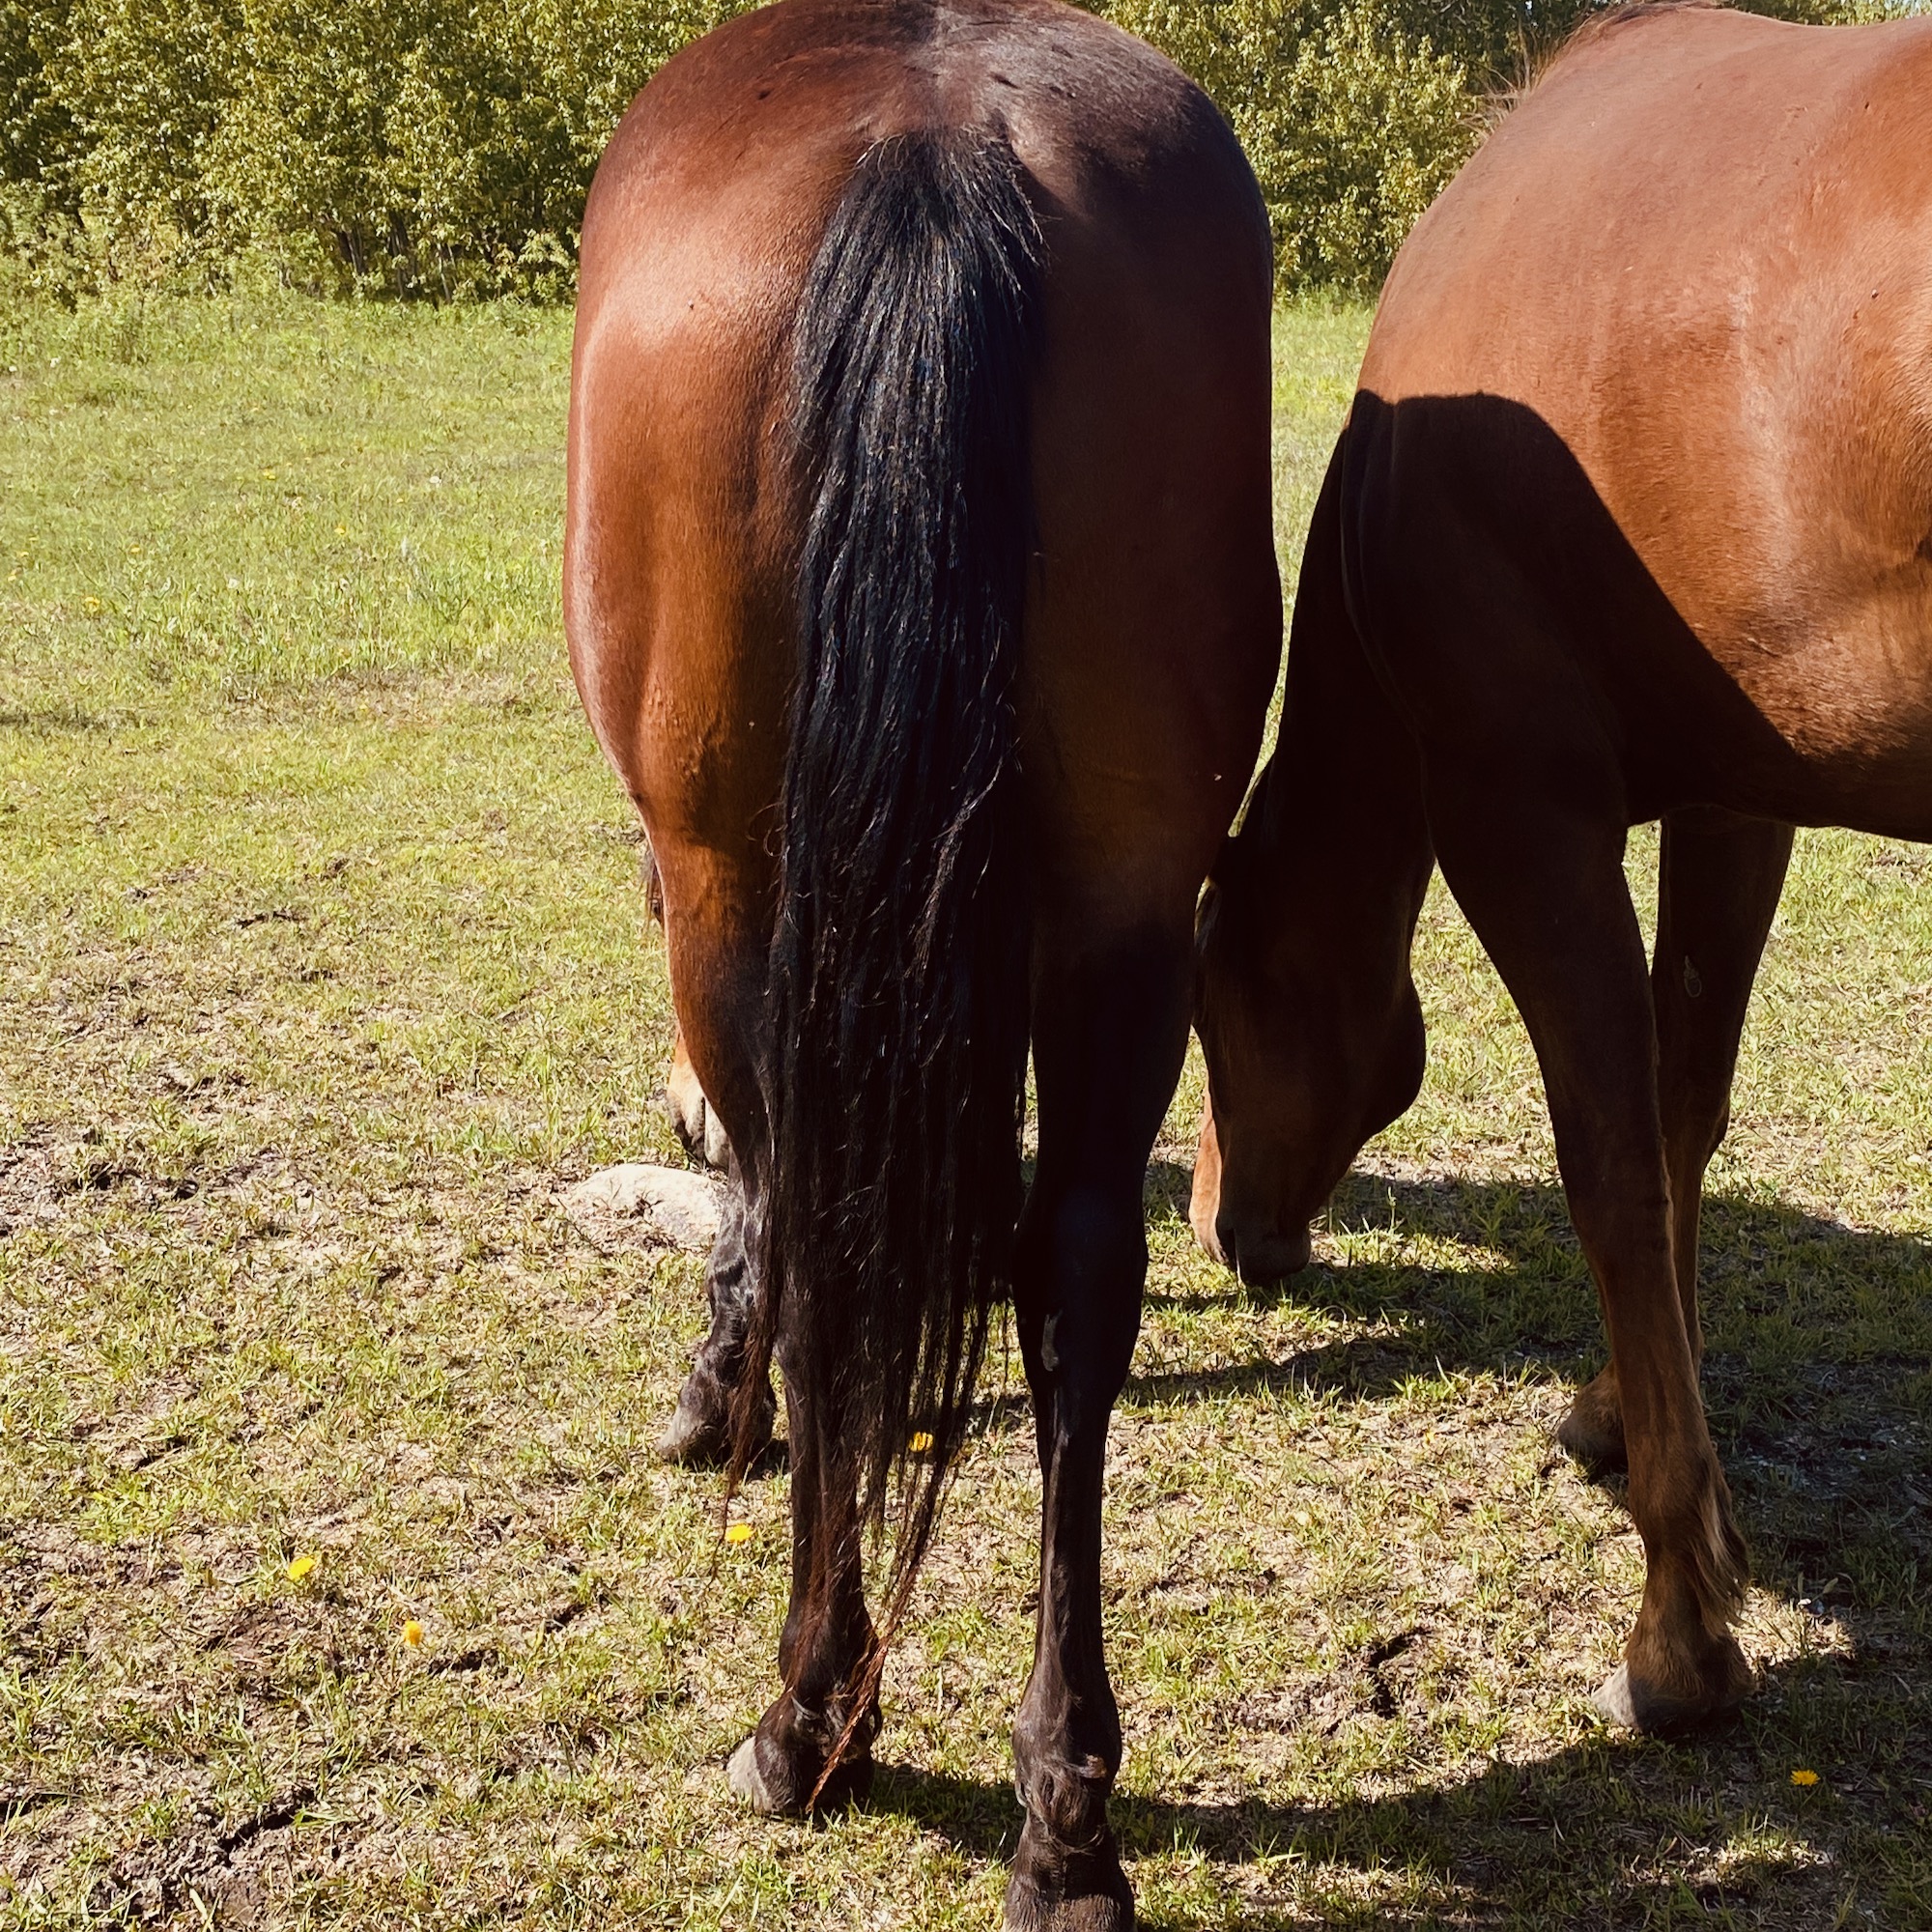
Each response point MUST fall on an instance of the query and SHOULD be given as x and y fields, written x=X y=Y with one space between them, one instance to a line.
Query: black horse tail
x=898 y=1007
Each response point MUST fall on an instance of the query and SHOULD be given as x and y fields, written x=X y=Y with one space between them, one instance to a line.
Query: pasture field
x=322 y=966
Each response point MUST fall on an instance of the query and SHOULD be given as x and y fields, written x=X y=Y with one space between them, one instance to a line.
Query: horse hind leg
x=719 y=979
x=1110 y=1031
x=828 y=1648
x=1541 y=878
x=1719 y=881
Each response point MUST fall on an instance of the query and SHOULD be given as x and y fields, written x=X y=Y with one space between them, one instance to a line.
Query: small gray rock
x=639 y=1204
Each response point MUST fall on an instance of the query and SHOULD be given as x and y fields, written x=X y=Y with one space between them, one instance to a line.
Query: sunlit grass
x=322 y=962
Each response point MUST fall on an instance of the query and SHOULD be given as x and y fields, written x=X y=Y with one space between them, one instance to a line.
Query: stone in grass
x=639 y=1204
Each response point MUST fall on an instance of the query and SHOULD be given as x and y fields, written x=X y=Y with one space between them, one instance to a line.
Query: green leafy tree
x=443 y=148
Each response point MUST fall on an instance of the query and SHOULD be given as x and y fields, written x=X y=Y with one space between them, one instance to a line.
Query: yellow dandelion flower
x=90 y=602
x=268 y=476
x=1805 y=1777
x=922 y=1442
x=342 y=530
x=300 y=1568
x=739 y=1532
x=412 y=1632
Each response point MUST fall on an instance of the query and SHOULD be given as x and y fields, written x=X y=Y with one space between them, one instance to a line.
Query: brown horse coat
x=1632 y=518
x=791 y=197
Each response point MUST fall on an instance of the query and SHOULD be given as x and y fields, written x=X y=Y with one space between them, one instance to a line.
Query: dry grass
x=323 y=966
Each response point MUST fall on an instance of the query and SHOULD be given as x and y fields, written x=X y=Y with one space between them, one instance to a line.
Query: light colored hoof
x=745 y=1778
x=1593 y=1429
x=1613 y=1702
x=692 y=1440
x=1635 y=1706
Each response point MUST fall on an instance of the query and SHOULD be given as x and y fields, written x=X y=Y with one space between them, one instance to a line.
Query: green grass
x=321 y=965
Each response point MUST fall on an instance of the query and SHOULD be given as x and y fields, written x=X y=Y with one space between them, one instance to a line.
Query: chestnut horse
x=921 y=589
x=1632 y=518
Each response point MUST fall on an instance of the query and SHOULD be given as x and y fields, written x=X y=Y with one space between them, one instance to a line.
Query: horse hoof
x=785 y=1796
x=698 y=1433
x=748 y=1782
x=1593 y=1431
x=1629 y=1704
x=1075 y=1892
x=694 y=1438
x=1029 y=1911
x=1613 y=1703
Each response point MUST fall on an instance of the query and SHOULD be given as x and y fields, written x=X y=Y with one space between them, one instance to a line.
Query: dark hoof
x=698 y=1433
x=777 y=1787
x=1634 y=1703
x=1593 y=1432
x=1052 y=1889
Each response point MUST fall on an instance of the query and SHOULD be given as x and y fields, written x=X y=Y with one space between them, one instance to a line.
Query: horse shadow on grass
x=1818 y=1358
x=1819 y=1341
x=1606 y=1833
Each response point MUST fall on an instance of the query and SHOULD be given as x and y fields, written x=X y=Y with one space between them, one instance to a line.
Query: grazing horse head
x=1312 y=1047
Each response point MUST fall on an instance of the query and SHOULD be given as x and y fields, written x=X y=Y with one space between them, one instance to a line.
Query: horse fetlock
x=1065 y=1799
x=1058 y=1886
x=1699 y=1563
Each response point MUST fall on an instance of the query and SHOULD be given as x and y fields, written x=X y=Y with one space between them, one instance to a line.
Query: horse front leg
x=717 y=969
x=698 y=1433
x=1718 y=885
x=1541 y=878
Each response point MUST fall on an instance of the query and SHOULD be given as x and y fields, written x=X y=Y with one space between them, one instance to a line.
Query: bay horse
x=1630 y=519
x=921 y=589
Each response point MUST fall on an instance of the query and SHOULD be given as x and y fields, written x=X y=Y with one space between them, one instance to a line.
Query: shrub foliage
x=445 y=147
